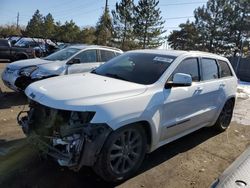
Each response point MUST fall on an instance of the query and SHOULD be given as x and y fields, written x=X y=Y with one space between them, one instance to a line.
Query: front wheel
x=122 y=154
x=225 y=116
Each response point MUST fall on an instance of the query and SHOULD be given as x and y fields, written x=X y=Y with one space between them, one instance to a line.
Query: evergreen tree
x=209 y=21
x=123 y=23
x=35 y=25
x=148 y=27
x=104 y=28
x=48 y=27
x=186 y=38
x=87 y=35
x=237 y=25
x=68 y=32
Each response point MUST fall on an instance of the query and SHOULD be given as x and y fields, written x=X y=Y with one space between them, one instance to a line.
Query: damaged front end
x=67 y=136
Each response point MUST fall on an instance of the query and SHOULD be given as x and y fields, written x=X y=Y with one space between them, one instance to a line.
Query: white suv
x=131 y=105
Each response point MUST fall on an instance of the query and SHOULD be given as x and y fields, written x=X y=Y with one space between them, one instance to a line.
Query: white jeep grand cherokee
x=132 y=105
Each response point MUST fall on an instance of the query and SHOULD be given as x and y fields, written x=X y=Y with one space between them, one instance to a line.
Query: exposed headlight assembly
x=27 y=71
x=38 y=74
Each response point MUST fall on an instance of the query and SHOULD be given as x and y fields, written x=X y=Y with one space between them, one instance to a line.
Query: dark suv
x=12 y=53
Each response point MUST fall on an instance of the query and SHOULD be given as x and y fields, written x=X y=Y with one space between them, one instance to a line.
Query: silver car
x=74 y=59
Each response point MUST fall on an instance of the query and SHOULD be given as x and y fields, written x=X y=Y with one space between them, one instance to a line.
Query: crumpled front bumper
x=74 y=147
x=9 y=79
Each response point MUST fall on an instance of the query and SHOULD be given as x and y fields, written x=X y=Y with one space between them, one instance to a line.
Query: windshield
x=63 y=54
x=141 y=68
x=28 y=43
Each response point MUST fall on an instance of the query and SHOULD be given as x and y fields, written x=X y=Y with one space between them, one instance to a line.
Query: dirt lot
x=193 y=161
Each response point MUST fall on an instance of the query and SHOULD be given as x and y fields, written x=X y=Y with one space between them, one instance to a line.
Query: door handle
x=222 y=85
x=199 y=89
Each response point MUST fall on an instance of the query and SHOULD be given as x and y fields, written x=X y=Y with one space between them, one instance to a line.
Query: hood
x=77 y=91
x=30 y=62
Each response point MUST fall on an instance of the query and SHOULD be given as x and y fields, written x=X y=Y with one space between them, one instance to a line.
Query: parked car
x=133 y=104
x=8 y=52
x=237 y=174
x=42 y=47
x=74 y=59
x=16 y=48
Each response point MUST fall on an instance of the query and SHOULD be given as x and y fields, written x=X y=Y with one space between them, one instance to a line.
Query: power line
x=176 y=18
x=189 y=3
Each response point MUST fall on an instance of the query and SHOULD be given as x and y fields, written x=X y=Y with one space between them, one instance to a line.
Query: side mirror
x=74 y=61
x=179 y=80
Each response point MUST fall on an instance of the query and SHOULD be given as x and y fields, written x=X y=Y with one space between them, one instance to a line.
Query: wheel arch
x=148 y=130
x=233 y=98
x=24 y=55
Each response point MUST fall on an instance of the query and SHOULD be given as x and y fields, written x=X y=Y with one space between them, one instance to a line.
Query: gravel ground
x=195 y=160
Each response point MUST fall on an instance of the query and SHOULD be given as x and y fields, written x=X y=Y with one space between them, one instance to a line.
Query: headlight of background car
x=38 y=74
x=27 y=71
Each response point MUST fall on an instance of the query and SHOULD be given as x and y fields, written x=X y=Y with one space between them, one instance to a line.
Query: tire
x=122 y=154
x=225 y=116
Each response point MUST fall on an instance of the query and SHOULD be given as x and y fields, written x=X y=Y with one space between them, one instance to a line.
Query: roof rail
x=112 y=48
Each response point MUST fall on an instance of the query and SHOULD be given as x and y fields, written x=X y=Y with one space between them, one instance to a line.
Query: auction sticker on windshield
x=163 y=59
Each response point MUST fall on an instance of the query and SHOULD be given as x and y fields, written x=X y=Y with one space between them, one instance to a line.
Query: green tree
x=48 y=27
x=35 y=25
x=209 y=21
x=149 y=25
x=104 y=28
x=87 y=35
x=8 y=30
x=186 y=38
x=237 y=25
x=68 y=32
x=123 y=22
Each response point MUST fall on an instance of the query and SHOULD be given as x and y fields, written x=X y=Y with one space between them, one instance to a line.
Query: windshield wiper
x=115 y=76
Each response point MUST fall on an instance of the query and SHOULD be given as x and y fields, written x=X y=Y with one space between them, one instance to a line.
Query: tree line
x=128 y=26
x=220 y=26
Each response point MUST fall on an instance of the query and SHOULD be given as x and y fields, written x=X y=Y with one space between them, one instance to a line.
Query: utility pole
x=106 y=5
x=17 y=21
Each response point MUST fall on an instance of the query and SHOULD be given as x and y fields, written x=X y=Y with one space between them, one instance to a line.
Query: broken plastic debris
x=202 y=170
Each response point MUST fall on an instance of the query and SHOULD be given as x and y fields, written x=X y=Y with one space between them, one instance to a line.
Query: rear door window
x=210 y=70
x=224 y=68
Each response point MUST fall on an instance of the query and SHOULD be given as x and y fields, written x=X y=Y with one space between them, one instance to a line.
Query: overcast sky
x=87 y=12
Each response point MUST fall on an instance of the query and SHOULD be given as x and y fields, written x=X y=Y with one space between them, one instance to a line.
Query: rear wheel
x=122 y=154
x=225 y=116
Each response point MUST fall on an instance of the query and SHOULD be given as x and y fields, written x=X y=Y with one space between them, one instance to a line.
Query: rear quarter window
x=224 y=69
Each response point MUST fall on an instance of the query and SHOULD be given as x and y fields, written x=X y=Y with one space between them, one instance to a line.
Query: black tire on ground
x=122 y=154
x=225 y=116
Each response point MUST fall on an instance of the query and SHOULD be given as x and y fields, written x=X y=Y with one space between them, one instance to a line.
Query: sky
x=87 y=12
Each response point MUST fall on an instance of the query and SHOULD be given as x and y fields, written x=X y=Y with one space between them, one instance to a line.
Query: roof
x=177 y=53
x=162 y=52
x=83 y=46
